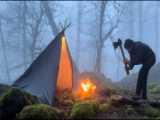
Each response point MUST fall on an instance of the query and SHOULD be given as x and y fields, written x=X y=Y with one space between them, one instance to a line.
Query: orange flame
x=86 y=89
x=87 y=86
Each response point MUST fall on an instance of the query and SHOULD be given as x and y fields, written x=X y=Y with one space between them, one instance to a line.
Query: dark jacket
x=140 y=54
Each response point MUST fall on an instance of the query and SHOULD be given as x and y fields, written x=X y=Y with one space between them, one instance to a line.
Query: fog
x=26 y=28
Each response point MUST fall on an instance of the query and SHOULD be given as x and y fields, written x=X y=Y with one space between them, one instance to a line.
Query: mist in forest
x=27 y=27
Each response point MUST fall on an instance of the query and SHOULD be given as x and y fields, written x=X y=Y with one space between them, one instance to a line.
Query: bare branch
x=49 y=15
x=119 y=12
x=110 y=32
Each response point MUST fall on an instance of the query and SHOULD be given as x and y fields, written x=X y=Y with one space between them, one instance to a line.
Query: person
x=140 y=53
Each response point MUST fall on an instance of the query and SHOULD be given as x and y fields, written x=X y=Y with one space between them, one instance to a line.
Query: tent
x=50 y=73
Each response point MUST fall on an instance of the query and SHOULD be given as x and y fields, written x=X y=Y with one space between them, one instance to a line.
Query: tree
x=131 y=17
x=50 y=15
x=140 y=12
x=78 y=32
x=4 y=51
x=100 y=35
x=103 y=36
x=27 y=19
x=24 y=36
x=35 y=27
x=157 y=29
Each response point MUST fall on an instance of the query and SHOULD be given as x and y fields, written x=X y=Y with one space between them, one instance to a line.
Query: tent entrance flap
x=64 y=80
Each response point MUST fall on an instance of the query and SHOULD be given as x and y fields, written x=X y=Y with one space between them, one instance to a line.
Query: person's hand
x=126 y=62
x=128 y=67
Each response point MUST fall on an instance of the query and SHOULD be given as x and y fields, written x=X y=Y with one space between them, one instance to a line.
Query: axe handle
x=124 y=58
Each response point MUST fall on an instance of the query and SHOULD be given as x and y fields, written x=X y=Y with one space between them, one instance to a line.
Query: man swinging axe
x=140 y=53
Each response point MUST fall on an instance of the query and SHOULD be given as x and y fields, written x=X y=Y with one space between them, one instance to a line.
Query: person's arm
x=132 y=61
x=128 y=64
x=135 y=58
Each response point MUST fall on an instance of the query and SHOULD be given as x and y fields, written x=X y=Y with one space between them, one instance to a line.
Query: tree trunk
x=100 y=41
x=140 y=12
x=4 y=51
x=78 y=33
x=131 y=19
x=157 y=30
x=24 y=33
x=35 y=33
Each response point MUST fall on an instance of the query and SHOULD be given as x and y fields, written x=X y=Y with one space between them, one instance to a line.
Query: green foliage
x=151 y=85
x=84 y=109
x=95 y=105
x=150 y=111
x=3 y=89
x=154 y=88
x=68 y=102
x=158 y=118
x=104 y=107
x=13 y=101
x=130 y=110
x=38 y=112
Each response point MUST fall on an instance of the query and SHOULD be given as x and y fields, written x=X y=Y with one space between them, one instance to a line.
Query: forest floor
x=111 y=102
x=109 y=106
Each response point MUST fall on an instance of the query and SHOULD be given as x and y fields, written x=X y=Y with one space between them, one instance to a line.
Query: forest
x=58 y=58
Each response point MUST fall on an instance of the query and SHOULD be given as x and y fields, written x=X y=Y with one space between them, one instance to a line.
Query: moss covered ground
x=17 y=104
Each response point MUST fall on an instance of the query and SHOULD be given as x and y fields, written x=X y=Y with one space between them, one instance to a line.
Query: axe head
x=117 y=43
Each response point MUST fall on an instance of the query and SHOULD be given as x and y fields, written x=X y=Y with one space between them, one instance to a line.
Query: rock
x=13 y=101
x=39 y=112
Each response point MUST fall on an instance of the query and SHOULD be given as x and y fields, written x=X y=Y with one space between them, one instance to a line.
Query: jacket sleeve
x=136 y=57
x=133 y=60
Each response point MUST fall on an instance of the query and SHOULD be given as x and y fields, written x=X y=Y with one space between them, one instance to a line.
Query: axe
x=119 y=44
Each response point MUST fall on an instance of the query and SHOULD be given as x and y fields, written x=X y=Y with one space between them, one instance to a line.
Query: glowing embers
x=87 y=86
x=87 y=89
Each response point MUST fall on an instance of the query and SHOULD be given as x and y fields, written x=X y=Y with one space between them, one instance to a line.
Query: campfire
x=87 y=86
x=87 y=89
